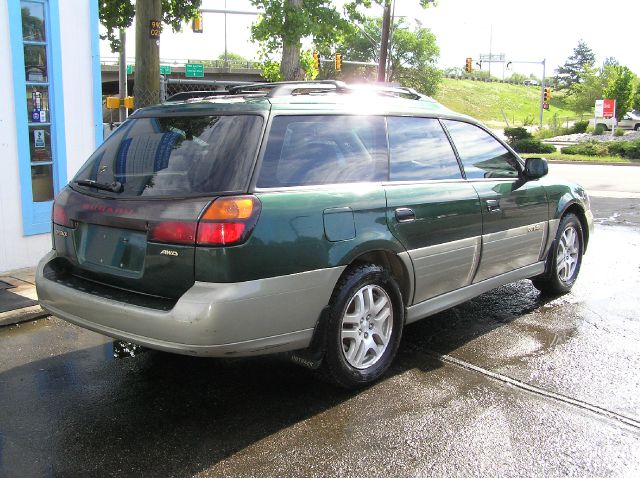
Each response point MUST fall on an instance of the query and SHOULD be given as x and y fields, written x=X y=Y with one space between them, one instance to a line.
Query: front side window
x=174 y=156
x=481 y=154
x=420 y=150
x=316 y=150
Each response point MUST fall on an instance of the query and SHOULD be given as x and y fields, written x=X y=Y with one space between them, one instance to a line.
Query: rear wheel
x=565 y=258
x=365 y=325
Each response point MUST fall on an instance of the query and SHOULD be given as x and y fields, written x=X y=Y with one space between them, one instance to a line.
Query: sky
x=524 y=30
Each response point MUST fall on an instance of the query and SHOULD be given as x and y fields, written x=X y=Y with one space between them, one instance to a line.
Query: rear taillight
x=59 y=216
x=173 y=232
x=228 y=221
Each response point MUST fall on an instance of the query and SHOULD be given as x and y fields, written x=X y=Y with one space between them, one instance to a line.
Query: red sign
x=609 y=109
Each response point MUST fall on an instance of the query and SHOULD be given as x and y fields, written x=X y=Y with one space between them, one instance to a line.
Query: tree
x=284 y=24
x=584 y=94
x=635 y=105
x=576 y=65
x=620 y=88
x=413 y=53
x=118 y=14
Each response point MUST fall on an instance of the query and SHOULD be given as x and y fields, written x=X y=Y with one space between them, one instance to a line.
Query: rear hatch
x=129 y=219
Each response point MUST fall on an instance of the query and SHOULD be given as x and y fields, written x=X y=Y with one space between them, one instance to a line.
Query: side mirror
x=535 y=168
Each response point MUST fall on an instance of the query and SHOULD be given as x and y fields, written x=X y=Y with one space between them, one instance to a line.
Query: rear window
x=176 y=156
x=316 y=150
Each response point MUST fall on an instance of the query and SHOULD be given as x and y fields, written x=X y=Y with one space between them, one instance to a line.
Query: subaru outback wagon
x=312 y=218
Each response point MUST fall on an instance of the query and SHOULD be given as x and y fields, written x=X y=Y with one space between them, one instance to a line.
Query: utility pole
x=147 y=75
x=384 y=44
x=122 y=75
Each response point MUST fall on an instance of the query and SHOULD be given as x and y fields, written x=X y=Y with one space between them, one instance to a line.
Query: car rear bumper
x=214 y=319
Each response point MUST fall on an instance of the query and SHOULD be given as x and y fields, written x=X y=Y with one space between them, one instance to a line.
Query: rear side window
x=420 y=150
x=176 y=156
x=481 y=154
x=315 y=150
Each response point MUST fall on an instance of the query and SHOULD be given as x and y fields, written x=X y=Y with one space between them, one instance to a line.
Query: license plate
x=112 y=249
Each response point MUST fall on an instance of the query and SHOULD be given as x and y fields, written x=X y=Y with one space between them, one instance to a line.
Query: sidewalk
x=18 y=298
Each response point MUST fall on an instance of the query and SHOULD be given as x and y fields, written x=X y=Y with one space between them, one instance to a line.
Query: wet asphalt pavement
x=508 y=384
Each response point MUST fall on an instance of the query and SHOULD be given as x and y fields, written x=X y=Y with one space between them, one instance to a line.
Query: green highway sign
x=129 y=69
x=194 y=70
x=165 y=69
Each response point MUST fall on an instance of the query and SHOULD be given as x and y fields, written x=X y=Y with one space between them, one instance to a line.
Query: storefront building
x=50 y=119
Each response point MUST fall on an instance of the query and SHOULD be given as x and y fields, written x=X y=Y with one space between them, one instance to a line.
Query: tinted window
x=177 y=156
x=481 y=154
x=308 y=150
x=420 y=150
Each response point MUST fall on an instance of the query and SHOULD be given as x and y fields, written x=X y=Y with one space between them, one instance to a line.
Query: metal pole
x=391 y=34
x=384 y=44
x=122 y=75
x=542 y=89
x=226 y=60
x=490 y=46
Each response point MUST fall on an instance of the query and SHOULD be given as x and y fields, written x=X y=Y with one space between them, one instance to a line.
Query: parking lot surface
x=508 y=384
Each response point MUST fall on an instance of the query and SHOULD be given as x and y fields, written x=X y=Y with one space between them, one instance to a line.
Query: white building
x=50 y=119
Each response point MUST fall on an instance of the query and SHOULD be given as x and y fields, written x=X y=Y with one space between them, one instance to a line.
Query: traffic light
x=338 y=61
x=316 y=60
x=469 y=65
x=547 y=94
x=196 y=24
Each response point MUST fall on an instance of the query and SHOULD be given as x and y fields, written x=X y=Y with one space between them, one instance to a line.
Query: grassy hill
x=487 y=101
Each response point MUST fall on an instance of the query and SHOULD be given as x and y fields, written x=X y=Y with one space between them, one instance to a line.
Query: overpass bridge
x=213 y=70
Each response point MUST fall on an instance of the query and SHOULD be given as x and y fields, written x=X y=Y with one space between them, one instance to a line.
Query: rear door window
x=420 y=150
x=481 y=154
x=317 y=150
x=176 y=156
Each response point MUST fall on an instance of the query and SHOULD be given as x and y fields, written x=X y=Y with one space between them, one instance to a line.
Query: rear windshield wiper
x=115 y=186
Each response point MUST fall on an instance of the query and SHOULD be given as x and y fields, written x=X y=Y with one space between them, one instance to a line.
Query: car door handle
x=493 y=205
x=404 y=214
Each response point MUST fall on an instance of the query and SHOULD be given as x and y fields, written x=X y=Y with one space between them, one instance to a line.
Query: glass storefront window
x=33 y=27
x=42 y=183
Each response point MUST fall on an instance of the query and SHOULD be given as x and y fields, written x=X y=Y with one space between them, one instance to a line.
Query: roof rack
x=288 y=88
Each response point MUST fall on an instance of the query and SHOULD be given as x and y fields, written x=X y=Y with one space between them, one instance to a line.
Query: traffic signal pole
x=544 y=61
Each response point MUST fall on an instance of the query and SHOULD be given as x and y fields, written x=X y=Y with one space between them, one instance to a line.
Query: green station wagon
x=312 y=218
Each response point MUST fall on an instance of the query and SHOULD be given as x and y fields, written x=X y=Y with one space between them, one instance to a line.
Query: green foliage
x=625 y=149
x=576 y=65
x=579 y=127
x=413 y=52
x=518 y=78
x=618 y=132
x=515 y=134
x=532 y=145
x=306 y=63
x=232 y=57
x=118 y=14
x=588 y=148
x=285 y=23
x=635 y=104
x=585 y=93
x=620 y=88
x=271 y=71
x=598 y=130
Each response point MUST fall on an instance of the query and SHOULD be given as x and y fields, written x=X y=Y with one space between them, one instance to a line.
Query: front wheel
x=366 y=317
x=565 y=258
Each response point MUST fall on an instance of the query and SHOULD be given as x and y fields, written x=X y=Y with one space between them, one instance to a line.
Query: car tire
x=565 y=258
x=365 y=321
x=637 y=127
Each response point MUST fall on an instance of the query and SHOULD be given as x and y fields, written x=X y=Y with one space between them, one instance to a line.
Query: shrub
x=544 y=133
x=631 y=149
x=579 y=127
x=616 y=148
x=590 y=129
x=589 y=148
x=515 y=134
x=618 y=132
x=533 y=145
x=598 y=130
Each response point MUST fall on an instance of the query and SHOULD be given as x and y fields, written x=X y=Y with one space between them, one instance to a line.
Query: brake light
x=59 y=216
x=173 y=232
x=228 y=221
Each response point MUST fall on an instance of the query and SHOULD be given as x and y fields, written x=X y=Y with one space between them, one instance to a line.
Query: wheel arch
x=575 y=208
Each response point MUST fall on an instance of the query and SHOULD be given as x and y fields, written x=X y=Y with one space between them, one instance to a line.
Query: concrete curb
x=23 y=283
x=12 y=317
x=596 y=163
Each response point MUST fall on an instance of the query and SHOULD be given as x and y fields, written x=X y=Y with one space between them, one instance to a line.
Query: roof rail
x=287 y=88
